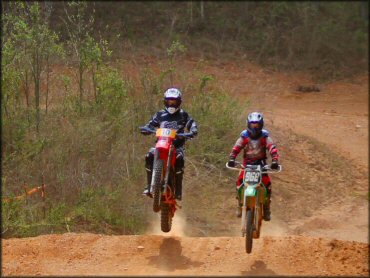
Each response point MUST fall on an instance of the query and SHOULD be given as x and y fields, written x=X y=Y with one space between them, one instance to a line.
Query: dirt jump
x=315 y=230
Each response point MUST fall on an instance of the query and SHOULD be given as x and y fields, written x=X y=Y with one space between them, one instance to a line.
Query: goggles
x=255 y=124
x=172 y=102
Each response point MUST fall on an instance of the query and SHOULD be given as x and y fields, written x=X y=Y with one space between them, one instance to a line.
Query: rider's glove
x=188 y=135
x=145 y=132
x=275 y=165
x=231 y=163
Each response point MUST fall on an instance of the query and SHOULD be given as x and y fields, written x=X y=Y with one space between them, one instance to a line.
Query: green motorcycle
x=254 y=195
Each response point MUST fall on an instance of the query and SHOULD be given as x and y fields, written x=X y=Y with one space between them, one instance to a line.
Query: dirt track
x=89 y=254
x=311 y=129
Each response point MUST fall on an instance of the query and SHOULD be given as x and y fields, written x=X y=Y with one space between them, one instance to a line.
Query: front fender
x=250 y=191
x=250 y=196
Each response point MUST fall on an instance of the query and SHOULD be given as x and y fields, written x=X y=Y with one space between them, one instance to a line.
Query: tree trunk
x=191 y=13
x=80 y=81
x=36 y=77
x=173 y=22
x=364 y=10
x=202 y=10
x=26 y=88
x=93 y=73
x=37 y=103
x=47 y=84
x=4 y=102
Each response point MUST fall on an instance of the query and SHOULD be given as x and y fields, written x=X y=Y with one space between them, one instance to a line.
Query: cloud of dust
x=274 y=228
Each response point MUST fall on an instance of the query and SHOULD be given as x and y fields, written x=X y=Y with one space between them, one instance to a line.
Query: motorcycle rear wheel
x=166 y=218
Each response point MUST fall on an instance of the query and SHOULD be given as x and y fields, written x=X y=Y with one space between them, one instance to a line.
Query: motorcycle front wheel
x=157 y=177
x=257 y=221
x=249 y=231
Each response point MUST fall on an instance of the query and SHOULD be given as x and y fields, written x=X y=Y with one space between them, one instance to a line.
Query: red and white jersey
x=254 y=149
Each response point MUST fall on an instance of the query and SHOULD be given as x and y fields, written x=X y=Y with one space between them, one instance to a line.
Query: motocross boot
x=266 y=210
x=178 y=186
x=238 y=211
x=149 y=180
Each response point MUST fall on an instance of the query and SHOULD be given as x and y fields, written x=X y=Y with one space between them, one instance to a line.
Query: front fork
x=249 y=202
x=169 y=198
x=244 y=213
x=168 y=169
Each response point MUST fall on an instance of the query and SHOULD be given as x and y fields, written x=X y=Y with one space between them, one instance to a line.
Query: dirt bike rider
x=183 y=122
x=256 y=142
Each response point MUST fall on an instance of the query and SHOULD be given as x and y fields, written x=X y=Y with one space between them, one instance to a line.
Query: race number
x=166 y=132
x=252 y=176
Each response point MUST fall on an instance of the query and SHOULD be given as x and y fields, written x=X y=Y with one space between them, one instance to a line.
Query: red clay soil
x=90 y=254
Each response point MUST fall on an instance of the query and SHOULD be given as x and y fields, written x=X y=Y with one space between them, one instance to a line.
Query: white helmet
x=172 y=100
x=255 y=123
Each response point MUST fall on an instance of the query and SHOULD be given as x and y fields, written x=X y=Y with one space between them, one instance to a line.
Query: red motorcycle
x=163 y=183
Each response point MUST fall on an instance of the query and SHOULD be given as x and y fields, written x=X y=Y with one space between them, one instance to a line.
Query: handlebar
x=187 y=135
x=146 y=130
x=265 y=169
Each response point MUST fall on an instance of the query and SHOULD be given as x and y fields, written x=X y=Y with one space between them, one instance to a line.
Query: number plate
x=166 y=132
x=252 y=177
